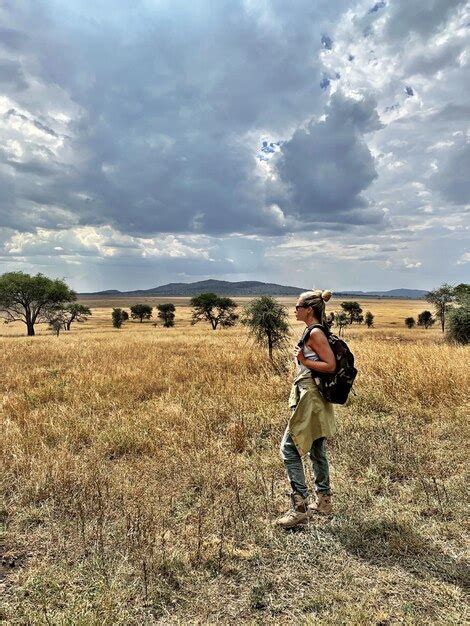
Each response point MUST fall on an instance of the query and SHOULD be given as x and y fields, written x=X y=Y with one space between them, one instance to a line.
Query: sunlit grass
x=141 y=471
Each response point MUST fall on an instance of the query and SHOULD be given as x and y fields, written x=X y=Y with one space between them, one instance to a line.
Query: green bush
x=458 y=323
x=410 y=322
x=117 y=317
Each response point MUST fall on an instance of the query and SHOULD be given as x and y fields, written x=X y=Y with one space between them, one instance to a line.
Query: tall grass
x=140 y=470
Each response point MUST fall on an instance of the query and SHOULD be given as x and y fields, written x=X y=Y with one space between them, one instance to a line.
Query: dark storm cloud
x=452 y=113
x=377 y=6
x=12 y=76
x=12 y=39
x=422 y=18
x=326 y=166
x=452 y=180
x=7 y=200
x=169 y=103
x=429 y=61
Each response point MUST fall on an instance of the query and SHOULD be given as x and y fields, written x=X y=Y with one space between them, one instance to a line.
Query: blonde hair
x=316 y=300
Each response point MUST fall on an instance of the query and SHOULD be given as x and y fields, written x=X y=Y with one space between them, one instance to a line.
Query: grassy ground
x=140 y=473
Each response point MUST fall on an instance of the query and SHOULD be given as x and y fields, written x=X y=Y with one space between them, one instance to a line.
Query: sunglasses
x=301 y=306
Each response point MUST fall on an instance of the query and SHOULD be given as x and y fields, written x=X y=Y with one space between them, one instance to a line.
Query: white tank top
x=308 y=354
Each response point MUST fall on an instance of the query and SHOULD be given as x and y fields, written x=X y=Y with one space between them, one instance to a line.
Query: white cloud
x=103 y=242
x=465 y=258
x=411 y=263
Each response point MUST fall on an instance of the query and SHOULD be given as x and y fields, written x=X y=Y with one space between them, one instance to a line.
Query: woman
x=312 y=419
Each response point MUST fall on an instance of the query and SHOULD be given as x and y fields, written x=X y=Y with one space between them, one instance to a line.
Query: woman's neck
x=311 y=320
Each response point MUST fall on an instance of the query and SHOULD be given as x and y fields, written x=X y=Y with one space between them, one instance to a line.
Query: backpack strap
x=308 y=330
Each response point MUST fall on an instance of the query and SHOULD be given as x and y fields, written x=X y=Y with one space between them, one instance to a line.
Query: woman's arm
x=319 y=344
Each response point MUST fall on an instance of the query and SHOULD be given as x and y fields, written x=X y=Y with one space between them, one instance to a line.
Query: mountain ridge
x=246 y=288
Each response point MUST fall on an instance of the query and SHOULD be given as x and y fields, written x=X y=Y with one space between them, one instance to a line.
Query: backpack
x=334 y=387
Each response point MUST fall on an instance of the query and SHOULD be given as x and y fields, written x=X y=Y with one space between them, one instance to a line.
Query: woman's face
x=301 y=312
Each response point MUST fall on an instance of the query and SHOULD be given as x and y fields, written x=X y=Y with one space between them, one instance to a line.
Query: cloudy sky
x=310 y=143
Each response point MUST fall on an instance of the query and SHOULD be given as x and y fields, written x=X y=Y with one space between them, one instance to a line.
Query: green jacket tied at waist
x=313 y=417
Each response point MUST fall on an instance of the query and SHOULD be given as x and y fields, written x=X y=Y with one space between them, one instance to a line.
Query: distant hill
x=413 y=294
x=246 y=288
x=220 y=287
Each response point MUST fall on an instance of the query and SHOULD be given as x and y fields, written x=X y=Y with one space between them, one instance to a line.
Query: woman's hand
x=298 y=354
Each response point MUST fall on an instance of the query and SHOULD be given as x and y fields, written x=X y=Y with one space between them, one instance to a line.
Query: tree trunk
x=68 y=325
x=270 y=347
x=29 y=319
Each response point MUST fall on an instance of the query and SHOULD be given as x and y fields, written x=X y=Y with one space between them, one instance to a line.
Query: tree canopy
x=458 y=318
x=369 y=319
x=442 y=299
x=57 y=320
x=217 y=310
x=32 y=299
x=462 y=293
x=119 y=316
x=353 y=310
x=341 y=320
x=141 y=312
x=75 y=312
x=458 y=327
x=410 y=322
x=166 y=312
x=330 y=319
x=267 y=322
x=425 y=319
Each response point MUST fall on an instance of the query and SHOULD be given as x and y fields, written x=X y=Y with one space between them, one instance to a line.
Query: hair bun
x=326 y=295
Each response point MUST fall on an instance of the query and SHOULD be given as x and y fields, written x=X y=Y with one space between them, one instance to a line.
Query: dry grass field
x=140 y=472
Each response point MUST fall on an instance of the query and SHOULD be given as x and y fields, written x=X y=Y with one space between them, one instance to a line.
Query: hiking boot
x=297 y=514
x=323 y=505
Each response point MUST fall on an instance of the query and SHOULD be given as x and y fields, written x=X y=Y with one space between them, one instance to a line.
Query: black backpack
x=334 y=387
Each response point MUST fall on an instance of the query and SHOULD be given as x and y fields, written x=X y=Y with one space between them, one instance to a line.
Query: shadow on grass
x=385 y=542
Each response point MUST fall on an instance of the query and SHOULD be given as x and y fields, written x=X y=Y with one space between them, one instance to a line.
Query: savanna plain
x=140 y=474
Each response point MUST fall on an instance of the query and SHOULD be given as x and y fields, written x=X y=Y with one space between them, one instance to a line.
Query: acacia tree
x=75 y=312
x=166 y=312
x=330 y=319
x=214 y=309
x=425 y=319
x=462 y=293
x=32 y=299
x=57 y=320
x=410 y=322
x=353 y=310
x=141 y=312
x=119 y=316
x=341 y=320
x=267 y=322
x=458 y=327
x=442 y=299
x=369 y=319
